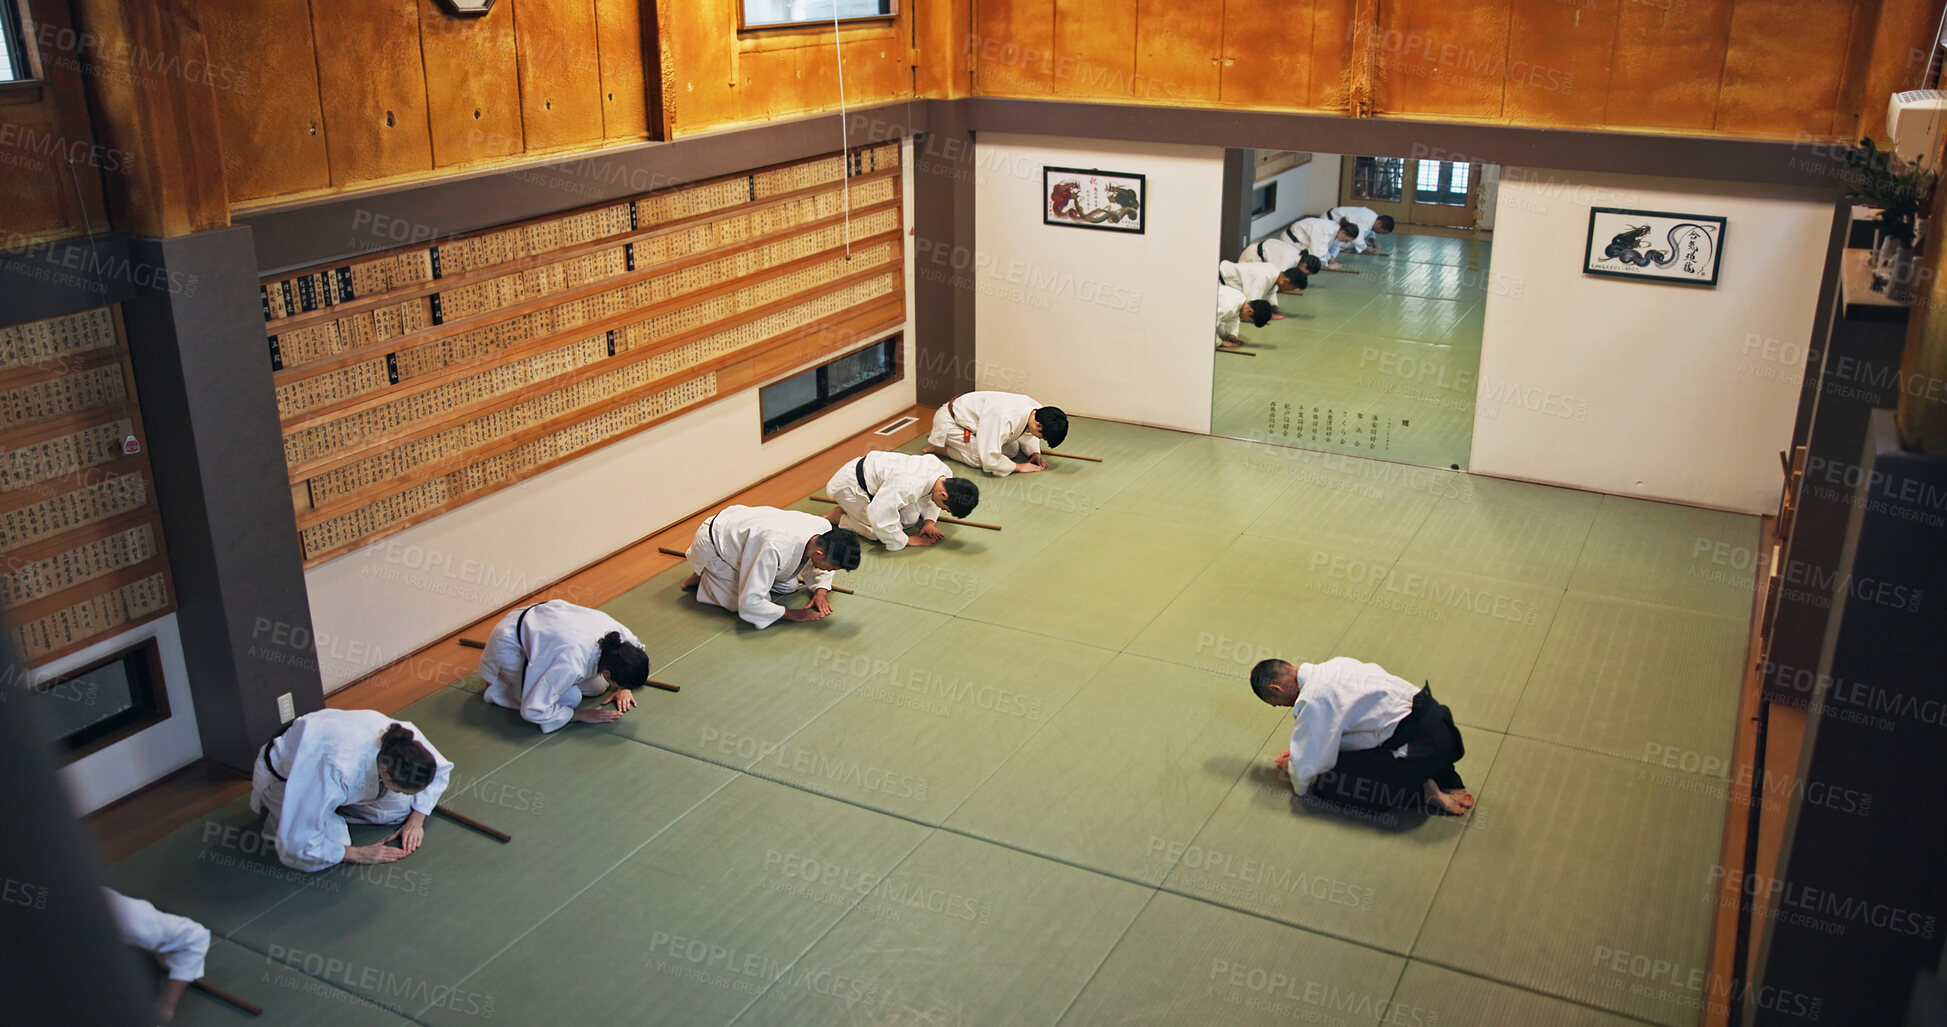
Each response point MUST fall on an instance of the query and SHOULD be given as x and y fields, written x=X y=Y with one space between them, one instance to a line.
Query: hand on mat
x=1039 y=461
x=821 y=601
x=595 y=716
x=411 y=836
x=380 y=853
x=930 y=531
x=1030 y=468
x=1283 y=762
x=624 y=700
x=922 y=539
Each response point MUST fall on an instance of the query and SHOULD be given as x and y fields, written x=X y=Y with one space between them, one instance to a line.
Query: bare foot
x=1455 y=803
x=1277 y=317
x=690 y=583
x=933 y=451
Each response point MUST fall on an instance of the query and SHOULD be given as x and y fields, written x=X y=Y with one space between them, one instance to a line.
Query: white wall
x=101 y=777
x=1322 y=184
x=1102 y=324
x=1290 y=206
x=381 y=602
x=1638 y=388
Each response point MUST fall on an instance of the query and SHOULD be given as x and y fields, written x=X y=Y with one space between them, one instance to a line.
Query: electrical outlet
x=286 y=710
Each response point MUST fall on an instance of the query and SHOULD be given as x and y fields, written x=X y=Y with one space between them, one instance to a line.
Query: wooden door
x=1414 y=192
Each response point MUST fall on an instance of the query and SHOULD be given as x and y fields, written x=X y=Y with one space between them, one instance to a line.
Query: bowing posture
x=1282 y=253
x=1261 y=281
x=1322 y=237
x=1365 y=739
x=1369 y=222
x=331 y=767
x=880 y=493
x=543 y=660
x=745 y=557
x=1232 y=309
x=998 y=432
x=177 y=942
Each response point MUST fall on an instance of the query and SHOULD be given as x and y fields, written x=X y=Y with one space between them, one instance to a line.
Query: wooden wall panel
x=1269 y=50
x=270 y=119
x=560 y=64
x=1334 y=34
x=875 y=71
x=943 y=35
x=372 y=86
x=1180 y=50
x=701 y=50
x=1662 y=74
x=768 y=79
x=39 y=129
x=1095 y=48
x=473 y=104
x=1016 y=41
x=1446 y=59
x=1559 y=59
x=1783 y=66
x=618 y=36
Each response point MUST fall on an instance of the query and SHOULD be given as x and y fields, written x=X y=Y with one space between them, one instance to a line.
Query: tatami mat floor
x=1380 y=363
x=1020 y=777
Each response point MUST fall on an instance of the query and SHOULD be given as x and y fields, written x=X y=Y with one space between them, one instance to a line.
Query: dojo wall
x=1639 y=388
x=1102 y=324
x=107 y=774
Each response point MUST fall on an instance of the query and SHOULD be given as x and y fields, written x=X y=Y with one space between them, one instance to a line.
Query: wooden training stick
x=1340 y=270
x=672 y=552
x=666 y=551
x=1235 y=350
x=218 y=993
x=943 y=520
x=472 y=643
x=1078 y=456
x=465 y=821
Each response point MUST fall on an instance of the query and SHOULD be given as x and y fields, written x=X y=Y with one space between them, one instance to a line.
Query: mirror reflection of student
x=1261 y=281
x=1369 y=222
x=1281 y=254
x=177 y=942
x=1322 y=238
x=1232 y=309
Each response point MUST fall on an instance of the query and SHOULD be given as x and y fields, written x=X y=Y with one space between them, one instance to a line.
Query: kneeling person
x=331 y=767
x=747 y=556
x=1365 y=739
x=543 y=660
x=177 y=942
x=998 y=432
x=880 y=493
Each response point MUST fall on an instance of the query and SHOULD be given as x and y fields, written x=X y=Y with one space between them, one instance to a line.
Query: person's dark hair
x=1261 y=311
x=1297 y=278
x=1054 y=425
x=626 y=663
x=1310 y=264
x=1266 y=672
x=407 y=762
x=1346 y=226
x=1382 y=223
x=841 y=549
x=961 y=496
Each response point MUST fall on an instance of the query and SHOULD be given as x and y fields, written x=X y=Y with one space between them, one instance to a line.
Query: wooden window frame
x=16 y=24
x=121 y=726
x=744 y=27
x=898 y=347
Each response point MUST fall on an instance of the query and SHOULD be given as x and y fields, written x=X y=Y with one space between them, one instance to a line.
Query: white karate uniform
x=181 y=943
x=1343 y=705
x=1229 y=321
x=1278 y=252
x=987 y=430
x=328 y=761
x=1257 y=281
x=544 y=665
x=1364 y=217
x=1318 y=236
x=747 y=554
x=898 y=491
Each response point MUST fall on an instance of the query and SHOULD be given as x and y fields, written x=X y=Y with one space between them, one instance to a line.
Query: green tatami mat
x=1127 y=450
x=1508 y=529
x=1702 y=560
x=1473 y=638
x=1183 y=962
x=1638 y=681
x=1201 y=483
x=1580 y=856
x=1263 y=598
x=219 y=870
x=962 y=932
x=950 y=574
x=1431 y=995
x=1139 y=758
x=1367 y=878
x=472 y=732
x=1102 y=581
x=668 y=620
x=1344 y=503
x=303 y=989
x=703 y=919
x=574 y=806
x=921 y=732
x=746 y=691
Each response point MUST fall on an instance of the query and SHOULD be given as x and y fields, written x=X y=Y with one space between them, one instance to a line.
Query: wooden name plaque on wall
x=417 y=379
x=78 y=524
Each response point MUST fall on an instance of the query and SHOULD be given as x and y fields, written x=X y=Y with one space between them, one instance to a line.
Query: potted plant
x=1902 y=192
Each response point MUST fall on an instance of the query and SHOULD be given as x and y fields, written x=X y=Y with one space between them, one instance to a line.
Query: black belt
x=1288 y=235
x=273 y=741
x=713 y=536
x=1262 y=259
x=858 y=469
x=520 y=638
x=1422 y=702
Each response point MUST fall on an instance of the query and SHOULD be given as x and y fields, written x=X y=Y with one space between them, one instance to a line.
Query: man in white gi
x=881 y=492
x=1261 y=281
x=998 y=432
x=1365 y=739
x=544 y=659
x=331 y=767
x=177 y=941
x=1369 y=222
x=1282 y=254
x=747 y=556
x=1321 y=237
x=1232 y=309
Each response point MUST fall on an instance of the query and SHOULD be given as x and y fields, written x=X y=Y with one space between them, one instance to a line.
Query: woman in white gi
x=881 y=492
x=1260 y=281
x=1369 y=222
x=543 y=660
x=746 y=556
x=1322 y=237
x=337 y=766
x=998 y=432
x=178 y=942
x=1282 y=254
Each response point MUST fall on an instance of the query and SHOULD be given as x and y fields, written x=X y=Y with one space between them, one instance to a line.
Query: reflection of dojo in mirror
x=1315 y=425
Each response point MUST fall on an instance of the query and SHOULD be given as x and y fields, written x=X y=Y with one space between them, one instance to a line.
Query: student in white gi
x=881 y=492
x=1260 y=281
x=1369 y=222
x=1321 y=237
x=746 y=556
x=1364 y=738
x=998 y=432
x=1282 y=254
x=178 y=942
x=331 y=767
x=543 y=660
x=1232 y=309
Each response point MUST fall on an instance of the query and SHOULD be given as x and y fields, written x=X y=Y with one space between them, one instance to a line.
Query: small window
x=791 y=400
x=1264 y=200
x=765 y=14
x=104 y=703
x=13 y=55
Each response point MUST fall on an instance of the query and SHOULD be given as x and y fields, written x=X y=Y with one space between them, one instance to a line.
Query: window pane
x=1460 y=178
x=10 y=68
x=785 y=12
x=1378 y=178
x=796 y=391
x=866 y=365
x=88 y=699
x=1428 y=180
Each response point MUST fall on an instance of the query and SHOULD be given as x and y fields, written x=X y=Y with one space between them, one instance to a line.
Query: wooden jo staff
x=218 y=993
x=1078 y=456
x=943 y=520
x=474 y=643
x=678 y=552
x=465 y=821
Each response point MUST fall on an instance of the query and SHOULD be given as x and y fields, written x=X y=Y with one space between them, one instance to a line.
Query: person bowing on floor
x=177 y=942
x=746 y=557
x=333 y=767
x=1232 y=309
x=881 y=492
x=1364 y=739
x=998 y=432
x=1260 y=281
x=543 y=660
x=1369 y=222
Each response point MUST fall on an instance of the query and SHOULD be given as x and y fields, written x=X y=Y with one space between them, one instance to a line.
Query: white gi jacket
x=181 y=943
x=747 y=554
x=1318 y=236
x=1229 y=321
x=898 y=491
x=986 y=430
x=1257 y=281
x=1364 y=217
x=544 y=665
x=324 y=771
x=1343 y=704
x=1278 y=252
